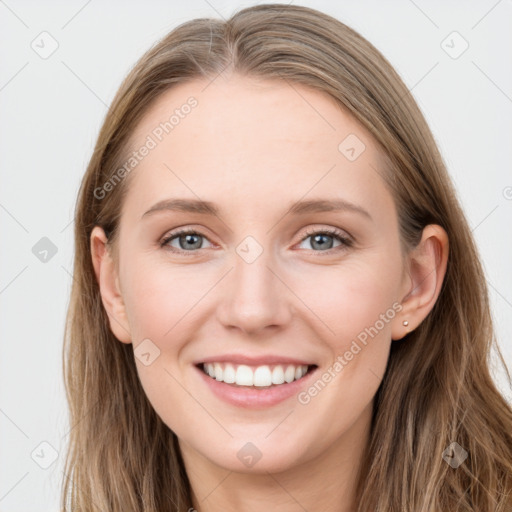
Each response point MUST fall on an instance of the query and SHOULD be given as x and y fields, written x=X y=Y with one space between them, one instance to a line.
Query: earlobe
x=427 y=265
x=108 y=282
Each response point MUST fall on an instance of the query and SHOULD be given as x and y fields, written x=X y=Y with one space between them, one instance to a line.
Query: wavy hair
x=437 y=388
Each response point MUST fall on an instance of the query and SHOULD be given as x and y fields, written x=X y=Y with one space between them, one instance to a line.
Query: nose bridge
x=254 y=298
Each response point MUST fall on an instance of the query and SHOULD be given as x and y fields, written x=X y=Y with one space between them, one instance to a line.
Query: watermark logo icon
x=454 y=45
x=249 y=249
x=44 y=250
x=44 y=455
x=351 y=147
x=249 y=454
x=146 y=352
x=45 y=45
x=455 y=455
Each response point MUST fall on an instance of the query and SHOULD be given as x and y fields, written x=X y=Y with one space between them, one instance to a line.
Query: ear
x=425 y=270
x=108 y=281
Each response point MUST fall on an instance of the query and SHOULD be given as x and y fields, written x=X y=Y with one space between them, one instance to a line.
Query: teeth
x=229 y=374
x=244 y=376
x=289 y=374
x=278 y=375
x=260 y=376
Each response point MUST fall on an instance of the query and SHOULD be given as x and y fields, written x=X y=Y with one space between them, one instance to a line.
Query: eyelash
x=345 y=241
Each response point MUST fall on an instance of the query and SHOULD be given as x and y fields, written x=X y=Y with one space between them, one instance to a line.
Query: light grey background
x=51 y=111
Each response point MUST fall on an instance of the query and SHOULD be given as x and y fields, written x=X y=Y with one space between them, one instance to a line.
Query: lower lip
x=254 y=397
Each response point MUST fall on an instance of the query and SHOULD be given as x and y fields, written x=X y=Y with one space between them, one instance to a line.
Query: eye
x=186 y=239
x=189 y=241
x=323 y=239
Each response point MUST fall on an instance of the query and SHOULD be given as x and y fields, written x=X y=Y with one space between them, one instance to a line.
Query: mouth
x=255 y=377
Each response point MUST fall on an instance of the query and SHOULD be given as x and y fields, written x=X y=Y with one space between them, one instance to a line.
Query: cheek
x=160 y=301
x=354 y=306
x=158 y=296
x=342 y=302
x=348 y=299
x=334 y=304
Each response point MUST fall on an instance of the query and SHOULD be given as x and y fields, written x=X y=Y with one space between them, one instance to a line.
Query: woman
x=240 y=164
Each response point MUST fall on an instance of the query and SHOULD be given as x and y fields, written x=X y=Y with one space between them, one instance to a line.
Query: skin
x=253 y=148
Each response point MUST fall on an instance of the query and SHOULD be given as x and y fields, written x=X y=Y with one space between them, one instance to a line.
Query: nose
x=255 y=298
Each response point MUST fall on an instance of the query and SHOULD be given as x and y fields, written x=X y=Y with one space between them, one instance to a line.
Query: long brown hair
x=437 y=388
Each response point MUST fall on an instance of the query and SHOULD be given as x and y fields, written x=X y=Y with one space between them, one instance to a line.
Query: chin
x=254 y=457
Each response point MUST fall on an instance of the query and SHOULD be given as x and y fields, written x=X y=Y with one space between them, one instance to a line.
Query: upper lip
x=253 y=360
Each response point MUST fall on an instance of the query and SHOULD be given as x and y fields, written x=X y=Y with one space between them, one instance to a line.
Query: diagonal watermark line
x=231 y=61
x=472 y=347
x=76 y=14
x=85 y=84
x=206 y=1
x=199 y=403
x=378 y=173
x=410 y=90
x=81 y=490
x=286 y=491
x=195 y=194
x=290 y=84
x=68 y=272
x=13 y=279
x=80 y=420
x=492 y=211
x=217 y=75
x=194 y=305
x=422 y=281
x=378 y=378
x=424 y=14
x=67 y=225
x=293 y=410
x=14 y=76
x=172 y=499
x=332 y=332
x=14 y=423
x=109 y=315
x=216 y=487
x=14 y=218
x=497 y=291
x=14 y=486
x=305 y=194
x=492 y=81
x=13 y=13
x=492 y=8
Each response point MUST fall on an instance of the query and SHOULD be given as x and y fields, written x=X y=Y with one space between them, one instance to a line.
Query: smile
x=263 y=376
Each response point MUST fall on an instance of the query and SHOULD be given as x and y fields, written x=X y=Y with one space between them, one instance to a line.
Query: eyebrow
x=297 y=208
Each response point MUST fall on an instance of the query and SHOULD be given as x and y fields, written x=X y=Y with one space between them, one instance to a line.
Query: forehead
x=253 y=143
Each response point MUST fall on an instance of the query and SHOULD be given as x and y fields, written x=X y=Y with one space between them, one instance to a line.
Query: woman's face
x=279 y=276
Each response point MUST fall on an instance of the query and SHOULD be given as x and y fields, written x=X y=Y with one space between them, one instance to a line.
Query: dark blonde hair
x=437 y=388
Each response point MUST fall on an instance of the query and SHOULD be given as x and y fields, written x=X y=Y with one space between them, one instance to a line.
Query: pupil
x=322 y=244
x=190 y=239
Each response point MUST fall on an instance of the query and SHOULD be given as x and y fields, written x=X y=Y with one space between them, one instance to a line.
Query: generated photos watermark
x=152 y=140
x=305 y=397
